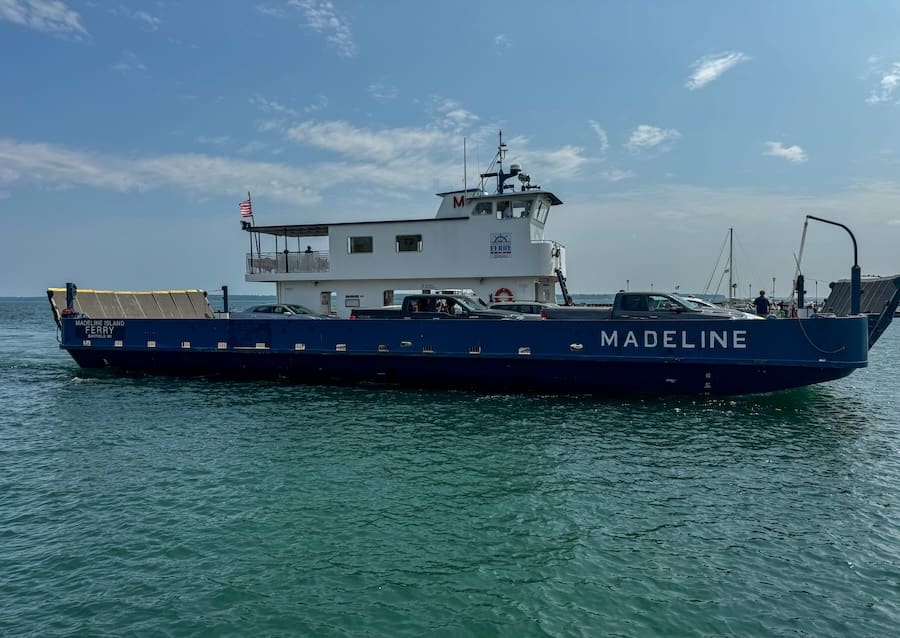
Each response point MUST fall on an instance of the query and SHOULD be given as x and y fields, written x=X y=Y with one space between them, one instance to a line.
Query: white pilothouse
x=490 y=243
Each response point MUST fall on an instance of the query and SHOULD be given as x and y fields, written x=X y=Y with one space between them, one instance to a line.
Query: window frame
x=398 y=246
x=353 y=248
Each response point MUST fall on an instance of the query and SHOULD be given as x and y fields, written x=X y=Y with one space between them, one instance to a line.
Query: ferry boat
x=490 y=245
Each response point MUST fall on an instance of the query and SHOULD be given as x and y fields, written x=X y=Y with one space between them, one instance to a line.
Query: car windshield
x=693 y=302
x=467 y=302
x=299 y=310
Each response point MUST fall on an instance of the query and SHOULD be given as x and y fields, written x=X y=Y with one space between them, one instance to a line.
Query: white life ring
x=503 y=294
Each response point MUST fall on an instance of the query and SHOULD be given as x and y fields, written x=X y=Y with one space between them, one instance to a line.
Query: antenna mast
x=465 y=173
x=499 y=174
x=501 y=151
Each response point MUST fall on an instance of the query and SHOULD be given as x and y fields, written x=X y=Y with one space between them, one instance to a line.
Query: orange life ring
x=503 y=294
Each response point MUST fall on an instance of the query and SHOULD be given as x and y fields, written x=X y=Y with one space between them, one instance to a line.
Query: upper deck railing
x=288 y=262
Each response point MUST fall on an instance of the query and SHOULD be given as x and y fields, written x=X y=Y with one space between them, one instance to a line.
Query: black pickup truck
x=645 y=305
x=434 y=307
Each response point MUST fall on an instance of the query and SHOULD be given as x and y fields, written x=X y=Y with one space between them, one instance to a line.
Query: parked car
x=523 y=307
x=438 y=306
x=278 y=311
x=646 y=305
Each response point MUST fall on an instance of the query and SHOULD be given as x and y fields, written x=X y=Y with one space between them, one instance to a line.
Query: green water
x=156 y=506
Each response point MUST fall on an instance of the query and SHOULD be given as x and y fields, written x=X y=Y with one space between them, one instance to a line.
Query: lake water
x=160 y=506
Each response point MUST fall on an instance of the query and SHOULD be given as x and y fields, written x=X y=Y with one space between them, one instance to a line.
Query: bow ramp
x=119 y=304
x=879 y=300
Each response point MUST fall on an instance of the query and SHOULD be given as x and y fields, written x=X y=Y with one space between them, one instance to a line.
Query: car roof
x=522 y=303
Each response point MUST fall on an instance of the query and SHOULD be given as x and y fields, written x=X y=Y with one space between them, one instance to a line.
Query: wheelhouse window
x=504 y=210
x=360 y=244
x=521 y=208
x=409 y=243
x=484 y=208
x=541 y=213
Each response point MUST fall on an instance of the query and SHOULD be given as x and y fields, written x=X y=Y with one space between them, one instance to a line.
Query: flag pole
x=253 y=222
x=252 y=268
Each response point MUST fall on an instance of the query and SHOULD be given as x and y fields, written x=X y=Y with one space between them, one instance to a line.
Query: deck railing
x=288 y=262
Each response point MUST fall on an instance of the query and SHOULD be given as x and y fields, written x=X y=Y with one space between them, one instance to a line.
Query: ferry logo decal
x=100 y=328
x=501 y=245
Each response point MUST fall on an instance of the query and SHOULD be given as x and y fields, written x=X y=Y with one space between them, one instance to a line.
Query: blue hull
x=603 y=357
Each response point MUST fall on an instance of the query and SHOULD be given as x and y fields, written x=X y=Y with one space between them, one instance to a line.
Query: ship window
x=409 y=243
x=484 y=208
x=541 y=213
x=504 y=211
x=521 y=209
x=360 y=244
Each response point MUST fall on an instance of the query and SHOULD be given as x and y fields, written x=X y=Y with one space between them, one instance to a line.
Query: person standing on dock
x=762 y=304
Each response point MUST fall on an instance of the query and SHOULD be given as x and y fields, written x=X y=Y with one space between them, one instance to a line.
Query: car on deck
x=523 y=307
x=278 y=311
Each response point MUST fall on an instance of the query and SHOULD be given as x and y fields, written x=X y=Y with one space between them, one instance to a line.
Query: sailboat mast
x=731 y=263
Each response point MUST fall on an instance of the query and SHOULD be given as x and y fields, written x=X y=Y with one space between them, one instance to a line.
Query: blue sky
x=130 y=131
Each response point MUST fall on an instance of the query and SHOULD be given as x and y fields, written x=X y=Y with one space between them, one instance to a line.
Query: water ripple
x=185 y=507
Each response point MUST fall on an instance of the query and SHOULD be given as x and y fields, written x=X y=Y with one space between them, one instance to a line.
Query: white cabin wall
x=462 y=247
x=454 y=243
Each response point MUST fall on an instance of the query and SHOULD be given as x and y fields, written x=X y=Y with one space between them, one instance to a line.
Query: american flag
x=246 y=208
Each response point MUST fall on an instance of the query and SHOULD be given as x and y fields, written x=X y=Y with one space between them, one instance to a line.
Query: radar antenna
x=501 y=177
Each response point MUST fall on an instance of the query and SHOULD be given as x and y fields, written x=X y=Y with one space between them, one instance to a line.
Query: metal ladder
x=567 y=299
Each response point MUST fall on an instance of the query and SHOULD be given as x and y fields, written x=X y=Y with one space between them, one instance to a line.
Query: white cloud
x=671 y=215
x=449 y=114
x=150 y=22
x=647 y=138
x=320 y=103
x=272 y=12
x=252 y=147
x=382 y=92
x=50 y=16
x=887 y=86
x=214 y=141
x=363 y=144
x=399 y=160
x=616 y=175
x=265 y=126
x=601 y=134
x=271 y=106
x=129 y=62
x=321 y=17
x=51 y=166
x=502 y=43
x=711 y=67
x=790 y=153
x=563 y=162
